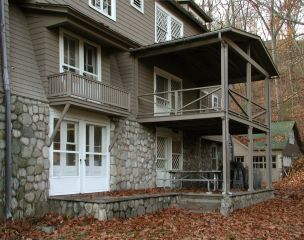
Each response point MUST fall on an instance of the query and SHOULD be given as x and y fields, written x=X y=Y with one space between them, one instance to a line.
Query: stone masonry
x=132 y=156
x=122 y=207
x=30 y=120
x=2 y=156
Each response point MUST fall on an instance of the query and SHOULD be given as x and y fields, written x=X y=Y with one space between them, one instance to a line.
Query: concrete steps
x=200 y=203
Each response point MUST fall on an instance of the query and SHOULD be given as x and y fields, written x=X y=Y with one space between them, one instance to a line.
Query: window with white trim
x=105 y=7
x=79 y=56
x=167 y=27
x=164 y=86
x=138 y=4
x=260 y=162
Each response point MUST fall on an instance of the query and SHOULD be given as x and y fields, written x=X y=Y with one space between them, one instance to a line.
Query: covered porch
x=209 y=84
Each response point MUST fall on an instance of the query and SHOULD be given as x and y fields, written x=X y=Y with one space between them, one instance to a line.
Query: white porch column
x=268 y=134
x=225 y=120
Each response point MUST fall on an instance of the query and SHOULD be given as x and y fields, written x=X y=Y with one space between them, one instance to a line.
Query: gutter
x=8 y=107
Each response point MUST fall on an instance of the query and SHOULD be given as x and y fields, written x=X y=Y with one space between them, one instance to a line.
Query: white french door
x=79 y=158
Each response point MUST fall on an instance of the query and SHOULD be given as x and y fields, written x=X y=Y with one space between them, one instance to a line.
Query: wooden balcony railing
x=198 y=101
x=69 y=84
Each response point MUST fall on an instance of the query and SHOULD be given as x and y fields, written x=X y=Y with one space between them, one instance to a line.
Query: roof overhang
x=66 y=16
x=197 y=9
x=204 y=42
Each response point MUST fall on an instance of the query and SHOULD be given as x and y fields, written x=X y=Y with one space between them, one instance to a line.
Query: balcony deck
x=200 y=110
x=88 y=94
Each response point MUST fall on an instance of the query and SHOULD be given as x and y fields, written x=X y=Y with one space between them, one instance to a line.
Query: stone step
x=200 y=203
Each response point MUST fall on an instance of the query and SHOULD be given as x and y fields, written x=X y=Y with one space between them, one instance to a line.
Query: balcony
x=204 y=106
x=86 y=94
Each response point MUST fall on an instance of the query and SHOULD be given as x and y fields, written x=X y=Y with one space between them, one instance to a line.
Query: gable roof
x=197 y=9
x=280 y=132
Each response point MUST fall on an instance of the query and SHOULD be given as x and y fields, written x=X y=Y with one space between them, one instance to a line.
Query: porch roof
x=202 y=52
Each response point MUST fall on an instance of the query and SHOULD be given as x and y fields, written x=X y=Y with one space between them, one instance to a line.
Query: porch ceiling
x=199 y=56
x=208 y=126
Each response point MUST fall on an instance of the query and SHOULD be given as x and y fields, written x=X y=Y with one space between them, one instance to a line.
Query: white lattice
x=176 y=161
x=176 y=29
x=161 y=153
x=162 y=25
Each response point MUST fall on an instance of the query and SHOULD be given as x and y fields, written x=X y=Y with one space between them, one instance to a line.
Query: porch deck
x=104 y=207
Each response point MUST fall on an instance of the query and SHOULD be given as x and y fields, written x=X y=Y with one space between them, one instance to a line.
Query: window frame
x=82 y=42
x=137 y=8
x=113 y=10
x=170 y=77
x=169 y=26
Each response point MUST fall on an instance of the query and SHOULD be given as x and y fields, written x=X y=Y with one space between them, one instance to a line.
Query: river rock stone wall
x=2 y=156
x=30 y=120
x=132 y=156
x=230 y=203
x=126 y=207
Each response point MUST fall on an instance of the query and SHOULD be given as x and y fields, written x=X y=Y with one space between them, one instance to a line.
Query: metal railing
x=69 y=84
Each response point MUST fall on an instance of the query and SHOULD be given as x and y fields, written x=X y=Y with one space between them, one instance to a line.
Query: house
x=110 y=95
x=286 y=146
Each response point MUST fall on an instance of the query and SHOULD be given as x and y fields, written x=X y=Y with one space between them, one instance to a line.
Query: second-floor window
x=167 y=27
x=105 y=7
x=79 y=56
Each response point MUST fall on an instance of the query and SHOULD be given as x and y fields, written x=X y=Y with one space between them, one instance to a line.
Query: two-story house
x=111 y=95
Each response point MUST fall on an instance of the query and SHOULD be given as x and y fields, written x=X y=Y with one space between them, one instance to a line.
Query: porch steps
x=200 y=203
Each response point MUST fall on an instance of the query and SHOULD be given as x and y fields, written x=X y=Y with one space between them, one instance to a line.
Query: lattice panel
x=162 y=25
x=176 y=29
x=161 y=163
x=161 y=147
x=176 y=161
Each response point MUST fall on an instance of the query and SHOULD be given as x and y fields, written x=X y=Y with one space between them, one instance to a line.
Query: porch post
x=268 y=153
x=225 y=120
x=250 y=128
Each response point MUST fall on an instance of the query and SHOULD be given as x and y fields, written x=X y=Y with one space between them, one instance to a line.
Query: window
x=169 y=155
x=138 y=4
x=167 y=27
x=260 y=162
x=164 y=84
x=79 y=56
x=105 y=7
x=239 y=159
x=214 y=157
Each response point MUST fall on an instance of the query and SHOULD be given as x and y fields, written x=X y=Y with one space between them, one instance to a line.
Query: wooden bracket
x=65 y=110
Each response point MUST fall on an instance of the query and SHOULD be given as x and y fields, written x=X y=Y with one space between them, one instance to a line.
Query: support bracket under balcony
x=64 y=112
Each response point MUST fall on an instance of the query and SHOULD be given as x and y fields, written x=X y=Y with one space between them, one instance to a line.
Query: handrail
x=240 y=95
x=179 y=90
x=90 y=90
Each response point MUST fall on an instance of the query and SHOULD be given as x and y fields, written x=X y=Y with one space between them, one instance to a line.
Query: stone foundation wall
x=30 y=120
x=230 y=203
x=197 y=153
x=132 y=156
x=114 y=208
x=2 y=156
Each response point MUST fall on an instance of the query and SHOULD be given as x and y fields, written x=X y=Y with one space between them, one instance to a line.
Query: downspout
x=7 y=89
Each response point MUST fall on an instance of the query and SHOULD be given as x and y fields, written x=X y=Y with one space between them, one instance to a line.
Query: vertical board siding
x=24 y=68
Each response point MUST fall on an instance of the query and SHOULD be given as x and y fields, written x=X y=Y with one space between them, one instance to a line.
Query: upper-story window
x=79 y=56
x=167 y=27
x=138 y=4
x=105 y=7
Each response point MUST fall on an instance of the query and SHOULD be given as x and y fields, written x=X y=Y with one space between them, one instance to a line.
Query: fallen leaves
x=279 y=218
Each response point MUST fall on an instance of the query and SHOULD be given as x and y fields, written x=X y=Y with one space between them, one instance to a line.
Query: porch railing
x=198 y=100
x=180 y=102
x=69 y=84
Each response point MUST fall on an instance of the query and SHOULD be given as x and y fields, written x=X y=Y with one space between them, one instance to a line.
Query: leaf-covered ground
x=279 y=218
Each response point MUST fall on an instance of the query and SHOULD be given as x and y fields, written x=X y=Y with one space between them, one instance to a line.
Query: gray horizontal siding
x=130 y=22
x=25 y=75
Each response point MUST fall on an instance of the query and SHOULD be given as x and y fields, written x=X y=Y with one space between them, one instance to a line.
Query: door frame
x=77 y=116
